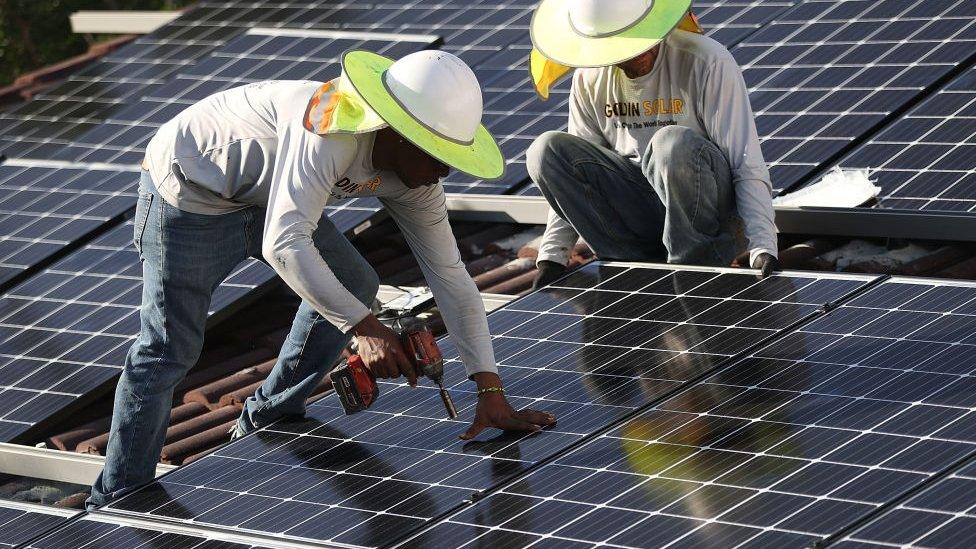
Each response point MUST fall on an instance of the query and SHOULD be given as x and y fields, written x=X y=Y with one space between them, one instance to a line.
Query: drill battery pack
x=355 y=384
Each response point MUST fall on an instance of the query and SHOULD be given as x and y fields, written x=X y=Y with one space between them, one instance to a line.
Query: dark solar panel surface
x=255 y=56
x=491 y=36
x=787 y=446
x=45 y=209
x=609 y=339
x=97 y=533
x=942 y=515
x=252 y=57
x=65 y=331
x=21 y=522
x=926 y=160
x=829 y=71
x=56 y=117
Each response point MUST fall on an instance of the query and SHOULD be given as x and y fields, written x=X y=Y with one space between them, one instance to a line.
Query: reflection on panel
x=782 y=448
x=602 y=342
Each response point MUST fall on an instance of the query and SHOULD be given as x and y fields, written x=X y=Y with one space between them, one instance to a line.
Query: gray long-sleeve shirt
x=694 y=83
x=248 y=146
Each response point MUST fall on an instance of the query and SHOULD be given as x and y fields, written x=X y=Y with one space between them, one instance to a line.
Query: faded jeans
x=185 y=256
x=677 y=206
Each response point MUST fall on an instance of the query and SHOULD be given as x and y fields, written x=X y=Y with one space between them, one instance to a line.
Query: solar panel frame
x=721 y=464
x=22 y=521
x=94 y=531
x=363 y=455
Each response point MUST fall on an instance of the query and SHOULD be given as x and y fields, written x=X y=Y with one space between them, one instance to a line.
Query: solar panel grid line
x=64 y=112
x=43 y=217
x=793 y=157
x=351 y=462
x=64 y=332
x=125 y=134
x=926 y=166
x=737 y=439
x=938 y=514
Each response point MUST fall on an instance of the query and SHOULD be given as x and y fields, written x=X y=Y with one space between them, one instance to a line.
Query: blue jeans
x=676 y=206
x=185 y=256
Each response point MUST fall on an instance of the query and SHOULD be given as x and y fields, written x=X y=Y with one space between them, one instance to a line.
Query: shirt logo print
x=347 y=186
x=672 y=106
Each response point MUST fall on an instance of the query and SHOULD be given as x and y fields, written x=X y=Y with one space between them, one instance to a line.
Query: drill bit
x=448 y=401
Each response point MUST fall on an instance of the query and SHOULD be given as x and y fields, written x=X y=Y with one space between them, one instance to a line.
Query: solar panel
x=95 y=532
x=730 y=22
x=791 y=444
x=19 y=522
x=942 y=515
x=259 y=54
x=42 y=212
x=64 y=332
x=830 y=71
x=54 y=118
x=926 y=160
x=601 y=343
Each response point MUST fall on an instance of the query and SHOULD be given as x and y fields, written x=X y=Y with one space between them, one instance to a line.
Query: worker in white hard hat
x=249 y=172
x=662 y=159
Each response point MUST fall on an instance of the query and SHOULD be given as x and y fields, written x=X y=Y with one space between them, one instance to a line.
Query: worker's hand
x=766 y=263
x=381 y=351
x=495 y=411
x=549 y=271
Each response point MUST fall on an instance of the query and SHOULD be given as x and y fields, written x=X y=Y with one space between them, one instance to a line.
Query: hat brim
x=482 y=158
x=554 y=35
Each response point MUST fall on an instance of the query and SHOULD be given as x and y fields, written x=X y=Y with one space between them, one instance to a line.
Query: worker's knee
x=675 y=143
x=548 y=150
x=675 y=152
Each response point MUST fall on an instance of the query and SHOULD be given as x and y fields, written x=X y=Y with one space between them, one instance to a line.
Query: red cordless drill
x=356 y=385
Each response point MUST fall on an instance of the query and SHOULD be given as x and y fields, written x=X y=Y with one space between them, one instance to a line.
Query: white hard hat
x=439 y=91
x=596 y=18
x=600 y=33
x=432 y=99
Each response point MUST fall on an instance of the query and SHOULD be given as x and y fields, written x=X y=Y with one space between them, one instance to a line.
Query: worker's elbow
x=275 y=252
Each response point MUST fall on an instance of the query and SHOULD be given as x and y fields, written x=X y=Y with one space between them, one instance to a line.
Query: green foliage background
x=35 y=33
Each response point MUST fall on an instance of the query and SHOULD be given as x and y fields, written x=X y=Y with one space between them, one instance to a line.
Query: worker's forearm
x=756 y=210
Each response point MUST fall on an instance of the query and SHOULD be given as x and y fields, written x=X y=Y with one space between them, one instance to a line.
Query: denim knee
x=548 y=147
x=672 y=148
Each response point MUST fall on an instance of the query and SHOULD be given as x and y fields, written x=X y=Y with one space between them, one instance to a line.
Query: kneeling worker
x=248 y=172
x=662 y=156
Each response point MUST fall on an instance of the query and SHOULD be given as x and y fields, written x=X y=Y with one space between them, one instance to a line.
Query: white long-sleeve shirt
x=248 y=146
x=695 y=83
